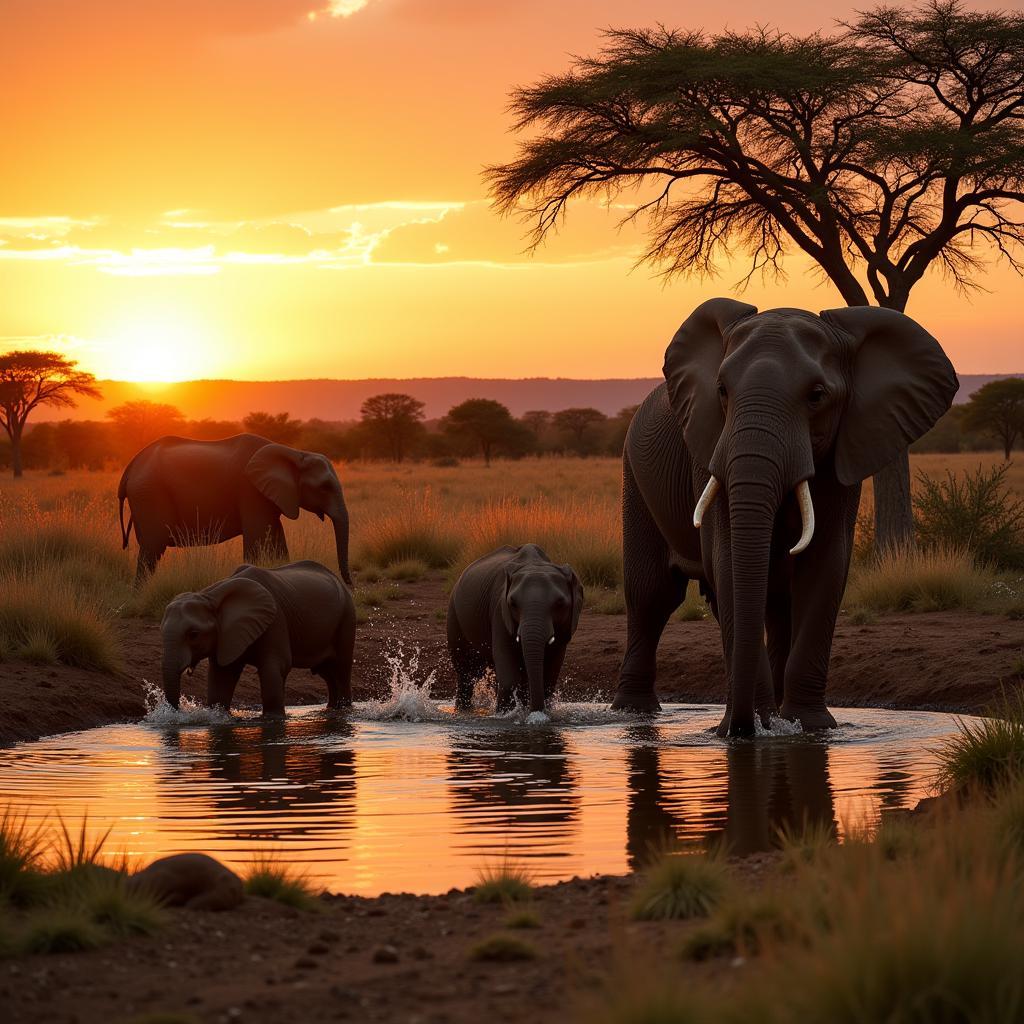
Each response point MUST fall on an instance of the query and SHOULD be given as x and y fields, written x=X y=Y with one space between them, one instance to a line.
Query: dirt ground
x=948 y=661
x=398 y=958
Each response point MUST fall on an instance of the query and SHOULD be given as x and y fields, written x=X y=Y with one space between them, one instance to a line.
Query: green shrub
x=61 y=930
x=408 y=571
x=505 y=882
x=742 y=926
x=21 y=849
x=974 y=512
x=523 y=919
x=679 y=886
x=987 y=753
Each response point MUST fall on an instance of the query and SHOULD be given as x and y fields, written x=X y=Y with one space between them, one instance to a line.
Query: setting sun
x=157 y=347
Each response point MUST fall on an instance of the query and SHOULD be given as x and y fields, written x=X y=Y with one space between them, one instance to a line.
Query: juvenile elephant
x=182 y=492
x=743 y=471
x=296 y=616
x=515 y=611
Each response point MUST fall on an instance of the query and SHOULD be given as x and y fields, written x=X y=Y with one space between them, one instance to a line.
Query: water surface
x=406 y=795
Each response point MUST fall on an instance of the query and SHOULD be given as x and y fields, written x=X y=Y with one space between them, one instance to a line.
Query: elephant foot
x=638 y=701
x=341 y=704
x=740 y=726
x=811 y=719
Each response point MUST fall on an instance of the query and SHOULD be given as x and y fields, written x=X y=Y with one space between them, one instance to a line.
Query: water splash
x=189 y=712
x=777 y=727
x=409 y=697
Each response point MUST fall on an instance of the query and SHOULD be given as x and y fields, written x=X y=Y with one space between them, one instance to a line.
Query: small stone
x=385 y=955
x=420 y=953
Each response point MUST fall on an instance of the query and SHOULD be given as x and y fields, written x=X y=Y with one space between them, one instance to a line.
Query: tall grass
x=418 y=528
x=986 y=753
x=677 y=886
x=919 y=580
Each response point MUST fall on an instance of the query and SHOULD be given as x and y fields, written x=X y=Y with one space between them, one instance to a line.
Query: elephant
x=743 y=470
x=182 y=492
x=515 y=611
x=295 y=616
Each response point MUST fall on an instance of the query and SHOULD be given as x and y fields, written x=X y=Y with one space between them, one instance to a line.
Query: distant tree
x=997 y=409
x=617 y=427
x=328 y=439
x=84 y=444
x=30 y=379
x=212 y=430
x=138 y=423
x=577 y=423
x=278 y=427
x=488 y=425
x=536 y=421
x=394 y=422
x=884 y=150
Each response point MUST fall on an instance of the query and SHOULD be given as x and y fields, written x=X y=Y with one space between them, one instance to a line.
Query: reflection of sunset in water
x=367 y=805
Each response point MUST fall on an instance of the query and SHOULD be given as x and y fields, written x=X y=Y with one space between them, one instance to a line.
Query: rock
x=385 y=955
x=191 y=880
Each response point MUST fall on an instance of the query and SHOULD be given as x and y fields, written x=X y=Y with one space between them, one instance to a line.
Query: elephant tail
x=122 y=494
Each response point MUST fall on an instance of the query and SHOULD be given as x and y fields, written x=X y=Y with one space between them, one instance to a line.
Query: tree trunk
x=894 y=517
x=16 y=463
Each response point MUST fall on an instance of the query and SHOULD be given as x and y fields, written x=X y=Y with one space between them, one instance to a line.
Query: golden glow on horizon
x=157 y=348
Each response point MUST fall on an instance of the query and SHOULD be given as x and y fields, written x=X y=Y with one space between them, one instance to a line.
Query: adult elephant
x=743 y=471
x=182 y=492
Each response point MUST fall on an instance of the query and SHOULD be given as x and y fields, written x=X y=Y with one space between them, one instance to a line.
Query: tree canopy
x=487 y=424
x=141 y=422
x=29 y=379
x=278 y=427
x=997 y=409
x=393 y=421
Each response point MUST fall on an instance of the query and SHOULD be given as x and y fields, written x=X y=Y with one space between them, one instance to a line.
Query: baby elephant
x=296 y=616
x=515 y=611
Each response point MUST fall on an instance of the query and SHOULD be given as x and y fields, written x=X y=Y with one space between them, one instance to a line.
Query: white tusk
x=518 y=641
x=551 y=640
x=709 y=495
x=803 y=495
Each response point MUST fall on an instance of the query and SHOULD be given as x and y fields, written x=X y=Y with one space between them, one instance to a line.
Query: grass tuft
x=417 y=529
x=272 y=879
x=502 y=949
x=21 y=849
x=61 y=930
x=523 y=919
x=408 y=571
x=742 y=926
x=505 y=882
x=106 y=900
x=988 y=753
x=677 y=886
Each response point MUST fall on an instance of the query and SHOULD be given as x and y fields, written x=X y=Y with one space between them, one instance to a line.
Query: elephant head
x=295 y=480
x=765 y=400
x=541 y=607
x=220 y=622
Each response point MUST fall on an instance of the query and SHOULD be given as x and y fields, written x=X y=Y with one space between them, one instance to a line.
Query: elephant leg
x=339 y=676
x=221 y=683
x=778 y=628
x=466 y=661
x=146 y=566
x=553 y=667
x=508 y=670
x=653 y=591
x=819 y=581
x=272 y=678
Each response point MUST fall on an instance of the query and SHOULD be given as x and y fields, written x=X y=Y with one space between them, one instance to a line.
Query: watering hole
x=406 y=795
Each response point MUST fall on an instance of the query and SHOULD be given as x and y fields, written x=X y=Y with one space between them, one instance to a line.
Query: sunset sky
x=273 y=189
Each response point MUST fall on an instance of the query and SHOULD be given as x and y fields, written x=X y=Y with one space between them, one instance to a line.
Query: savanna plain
x=914 y=917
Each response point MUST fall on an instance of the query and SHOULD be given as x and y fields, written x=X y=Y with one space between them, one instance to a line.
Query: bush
x=742 y=926
x=21 y=849
x=502 y=949
x=919 y=580
x=974 y=513
x=679 y=886
x=104 y=898
x=417 y=530
x=61 y=930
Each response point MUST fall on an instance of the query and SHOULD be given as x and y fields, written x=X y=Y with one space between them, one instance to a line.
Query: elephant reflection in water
x=514 y=789
x=311 y=759
x=768 y=786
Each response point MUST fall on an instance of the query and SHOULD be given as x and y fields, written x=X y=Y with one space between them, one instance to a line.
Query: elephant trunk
x=535 y=633
x=172 y=670
x=339 y=518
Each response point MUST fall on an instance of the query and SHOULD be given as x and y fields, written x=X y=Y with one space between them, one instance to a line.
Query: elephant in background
x=182 y=493
x=743 y=471
x=515 y=611
x=295 y=616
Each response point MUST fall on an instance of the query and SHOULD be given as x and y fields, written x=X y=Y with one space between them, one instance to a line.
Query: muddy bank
x=940 y=661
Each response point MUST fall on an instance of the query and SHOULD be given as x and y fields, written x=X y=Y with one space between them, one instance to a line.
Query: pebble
x=385 y=955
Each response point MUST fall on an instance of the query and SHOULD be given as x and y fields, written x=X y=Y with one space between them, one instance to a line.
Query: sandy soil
x=946 y=661
x=399 y=958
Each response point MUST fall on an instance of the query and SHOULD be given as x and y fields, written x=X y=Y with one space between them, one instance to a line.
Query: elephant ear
x=576 y=590
x=506 y=612
x=902 y=383
x=691 y=367
x=274 y=471
x=245 y=609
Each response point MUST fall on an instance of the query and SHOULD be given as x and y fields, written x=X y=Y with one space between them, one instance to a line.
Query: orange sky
x=291 y=188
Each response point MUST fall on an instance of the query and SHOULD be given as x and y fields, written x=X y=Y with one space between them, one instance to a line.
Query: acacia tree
x=278 y=427
x=29 y=379
x=140 y=422
x=891 y=147
x=487 y=424
x=576 y=422
x=997 y=409
x=395 y=420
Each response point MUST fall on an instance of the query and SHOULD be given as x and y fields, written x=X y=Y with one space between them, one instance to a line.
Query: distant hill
x=341 y=399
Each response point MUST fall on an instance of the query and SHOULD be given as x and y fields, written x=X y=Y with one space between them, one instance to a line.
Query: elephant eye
x=192 y=634
x=817 y=396
x=722 y=393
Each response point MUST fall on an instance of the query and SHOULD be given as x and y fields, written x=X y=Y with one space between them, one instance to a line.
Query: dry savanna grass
x=64 y=579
